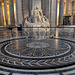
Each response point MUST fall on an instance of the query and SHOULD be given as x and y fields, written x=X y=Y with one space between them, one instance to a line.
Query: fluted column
x=47 y=8
x=19 y=12
x=43 y=3
x=67 y=7
x=11 y=7
x=30 y=6
x=50 y=4
x=61 y=12
x=54 y=13
x=5 y=12
x=74 y=14
x=25 y=8
x=74 y=9
x=0 y=17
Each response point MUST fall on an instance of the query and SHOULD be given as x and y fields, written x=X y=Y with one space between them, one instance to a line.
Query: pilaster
x=67 y=7
x=54 y=13
x=5 y=12
x=19 y=12
x=61 y=12
x=11 y=7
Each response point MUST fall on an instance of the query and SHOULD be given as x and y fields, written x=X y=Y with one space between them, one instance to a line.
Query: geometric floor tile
x=27 y=56
x=26 y=53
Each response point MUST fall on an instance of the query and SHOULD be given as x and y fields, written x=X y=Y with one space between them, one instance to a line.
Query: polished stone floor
x=33 y=52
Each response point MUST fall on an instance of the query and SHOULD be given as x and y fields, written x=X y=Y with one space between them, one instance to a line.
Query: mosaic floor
x=35 y=54
x=30 y=56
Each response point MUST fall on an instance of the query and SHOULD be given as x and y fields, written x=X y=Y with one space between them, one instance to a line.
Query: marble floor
x=37 y=51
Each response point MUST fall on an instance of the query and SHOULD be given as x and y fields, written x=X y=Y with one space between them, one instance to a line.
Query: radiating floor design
x=27 y=55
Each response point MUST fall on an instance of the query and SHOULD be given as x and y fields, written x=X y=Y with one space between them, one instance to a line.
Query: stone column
x=0 y=17
x=5 y=12
x=43 y=6
x=30 y=6
x=11 y=7
x=54 y=13
x=50 y=4
x=25 y=8
x=19 y=12
x=47 y=8
x=74 y=9
x=61 y=12
x=67 y=7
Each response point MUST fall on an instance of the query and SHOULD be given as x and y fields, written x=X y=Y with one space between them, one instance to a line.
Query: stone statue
x=37 y=17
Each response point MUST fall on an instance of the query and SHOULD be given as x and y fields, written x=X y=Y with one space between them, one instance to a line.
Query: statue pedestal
x=38 y=24
x=38 y=30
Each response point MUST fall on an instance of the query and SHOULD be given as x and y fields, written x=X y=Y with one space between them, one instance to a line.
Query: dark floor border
x=37 y=68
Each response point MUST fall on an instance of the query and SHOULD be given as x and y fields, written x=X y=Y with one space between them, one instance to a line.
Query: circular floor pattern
x=37 y=45
x=37 y=54
x=26 y=48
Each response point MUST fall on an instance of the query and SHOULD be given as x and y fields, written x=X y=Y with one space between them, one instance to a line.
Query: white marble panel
x=69 y=72
x=5 y=73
